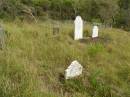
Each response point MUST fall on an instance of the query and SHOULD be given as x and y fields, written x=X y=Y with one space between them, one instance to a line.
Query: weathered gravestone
x=2 y=38
x=95 y=32
x=56 y=28
x=74 y=70
x=78 y=34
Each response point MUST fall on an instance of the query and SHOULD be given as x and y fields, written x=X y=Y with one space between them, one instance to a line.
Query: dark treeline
x=112 y=12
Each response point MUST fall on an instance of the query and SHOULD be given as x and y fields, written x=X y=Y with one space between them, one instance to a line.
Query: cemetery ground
x=33 y=61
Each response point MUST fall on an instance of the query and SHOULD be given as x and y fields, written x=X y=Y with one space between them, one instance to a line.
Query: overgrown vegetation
x=33 y=62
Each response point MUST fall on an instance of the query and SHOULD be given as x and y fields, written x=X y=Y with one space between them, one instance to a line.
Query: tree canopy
x=114 y=12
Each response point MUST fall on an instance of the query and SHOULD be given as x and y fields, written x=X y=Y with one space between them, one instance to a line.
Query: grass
x=33 y=62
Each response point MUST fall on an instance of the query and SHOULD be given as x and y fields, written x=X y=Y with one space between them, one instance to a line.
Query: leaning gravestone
x=95 y=32
x=78 y=34
x=2 y=38
x=75 y=69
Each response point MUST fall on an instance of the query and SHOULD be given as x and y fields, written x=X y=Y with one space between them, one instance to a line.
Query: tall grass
x=33 y=62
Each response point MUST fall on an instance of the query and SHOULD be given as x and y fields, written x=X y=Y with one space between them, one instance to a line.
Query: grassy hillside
x=33 y=62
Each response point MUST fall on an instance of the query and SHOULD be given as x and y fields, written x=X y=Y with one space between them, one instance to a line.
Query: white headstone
x=75 y=69
x=78 y=34
x=95 y=32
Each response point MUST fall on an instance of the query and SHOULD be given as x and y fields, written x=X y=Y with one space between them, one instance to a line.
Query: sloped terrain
x=33 y=61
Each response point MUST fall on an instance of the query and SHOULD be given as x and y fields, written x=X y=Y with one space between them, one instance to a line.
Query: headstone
x=95 y=32
x=74 y=70
x=2 y=38
x=78 y=34
x=56 y=28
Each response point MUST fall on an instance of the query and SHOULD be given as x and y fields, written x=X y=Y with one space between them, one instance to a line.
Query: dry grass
x=33 y=62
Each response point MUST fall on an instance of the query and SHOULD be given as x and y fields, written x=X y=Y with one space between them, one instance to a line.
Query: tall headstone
x=95 y=32
x=78 y=34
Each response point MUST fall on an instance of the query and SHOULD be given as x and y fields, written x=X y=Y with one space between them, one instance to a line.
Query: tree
x=107 y=10
x=123 y=18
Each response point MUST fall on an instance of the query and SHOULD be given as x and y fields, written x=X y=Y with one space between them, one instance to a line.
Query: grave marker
x=78 y=34
x=95 y=32
x=56 y=28
x=75 y=69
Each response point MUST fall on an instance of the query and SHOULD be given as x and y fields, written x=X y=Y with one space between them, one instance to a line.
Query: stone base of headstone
x=85 y=40
x=95 y=38
x=88 y=40
x=98 y=39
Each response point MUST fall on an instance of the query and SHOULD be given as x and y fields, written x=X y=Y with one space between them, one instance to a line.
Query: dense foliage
x=112 y=12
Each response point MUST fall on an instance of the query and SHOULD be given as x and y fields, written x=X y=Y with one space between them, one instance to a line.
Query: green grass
x=33 y=62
